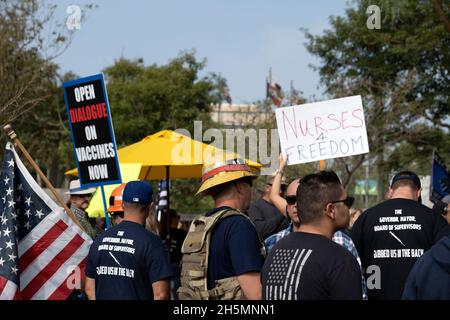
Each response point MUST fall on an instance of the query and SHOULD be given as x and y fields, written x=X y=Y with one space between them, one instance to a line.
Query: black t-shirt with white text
x=306 y=266
x=125 y=260
x=390 y=237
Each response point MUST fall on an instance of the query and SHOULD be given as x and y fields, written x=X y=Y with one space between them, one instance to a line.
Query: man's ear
x=330 y=211
x=389 y=193
x=419 y=192
x=239 y=186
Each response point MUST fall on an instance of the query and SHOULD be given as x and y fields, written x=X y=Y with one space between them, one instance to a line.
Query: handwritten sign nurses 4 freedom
x=322 y=130
x=92 y=131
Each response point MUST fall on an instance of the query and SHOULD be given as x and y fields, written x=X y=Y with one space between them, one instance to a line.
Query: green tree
x=30 y=93
x=46 y=135
x=146 y=99
x=401 y=71
x=30 y=38
x=30 y=87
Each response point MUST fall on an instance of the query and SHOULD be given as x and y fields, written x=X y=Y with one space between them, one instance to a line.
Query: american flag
x=284 y=275
x=274 y=91
x=41 y=248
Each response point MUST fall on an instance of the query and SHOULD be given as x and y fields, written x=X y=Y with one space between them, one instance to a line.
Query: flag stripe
x=48 y=255
x=3 y=282
x=45 y=244
x=62 y=292
x=292 y=264
x=52 y=267
x=17 y=295
x=293 y=274
x=9 y=289
x=39 y=231
x=300 y=272
x=41 y=245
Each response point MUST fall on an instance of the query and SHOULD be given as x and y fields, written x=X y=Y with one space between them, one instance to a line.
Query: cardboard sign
x=92 y=131
x=322 y=130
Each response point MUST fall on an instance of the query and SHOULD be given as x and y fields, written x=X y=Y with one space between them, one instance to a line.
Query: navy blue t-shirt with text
x=125 y=260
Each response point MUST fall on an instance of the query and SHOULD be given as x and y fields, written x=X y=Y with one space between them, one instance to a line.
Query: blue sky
x=240 y=39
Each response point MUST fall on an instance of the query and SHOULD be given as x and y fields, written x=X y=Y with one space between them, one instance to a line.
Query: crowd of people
x=300 y=241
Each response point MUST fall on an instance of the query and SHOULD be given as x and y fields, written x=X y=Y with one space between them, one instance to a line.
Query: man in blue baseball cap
x=128 y=262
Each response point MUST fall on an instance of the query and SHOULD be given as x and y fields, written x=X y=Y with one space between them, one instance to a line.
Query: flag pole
x=105 y=208
x=13 y=136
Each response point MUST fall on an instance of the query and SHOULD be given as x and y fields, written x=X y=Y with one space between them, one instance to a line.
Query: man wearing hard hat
x=222 y=253
x=115 y=205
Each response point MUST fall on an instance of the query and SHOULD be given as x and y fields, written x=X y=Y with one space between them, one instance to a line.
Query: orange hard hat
x=115 y=200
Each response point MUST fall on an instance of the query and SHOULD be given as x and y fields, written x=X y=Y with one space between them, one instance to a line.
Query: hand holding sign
x=283 y=161
x=322 y=130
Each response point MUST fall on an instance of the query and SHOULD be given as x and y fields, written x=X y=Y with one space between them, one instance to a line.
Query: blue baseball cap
x=138 y=192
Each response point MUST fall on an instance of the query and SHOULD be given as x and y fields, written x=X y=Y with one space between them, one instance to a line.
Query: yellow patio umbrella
x=171 y=155
x=168 y=152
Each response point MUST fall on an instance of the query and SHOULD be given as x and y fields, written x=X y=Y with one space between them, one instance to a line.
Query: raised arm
x=275 y=197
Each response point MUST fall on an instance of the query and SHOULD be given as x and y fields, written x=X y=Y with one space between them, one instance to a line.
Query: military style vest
x=194 y=264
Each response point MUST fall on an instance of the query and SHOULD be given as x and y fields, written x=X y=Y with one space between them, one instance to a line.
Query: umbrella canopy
x=184 y=156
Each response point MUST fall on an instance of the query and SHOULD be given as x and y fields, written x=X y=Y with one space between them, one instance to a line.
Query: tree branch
x=437 y=5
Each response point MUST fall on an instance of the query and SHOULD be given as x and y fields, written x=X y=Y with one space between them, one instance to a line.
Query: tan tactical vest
x=194 y=264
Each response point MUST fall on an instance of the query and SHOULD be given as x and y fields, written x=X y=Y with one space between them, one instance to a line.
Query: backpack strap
x=195 y=251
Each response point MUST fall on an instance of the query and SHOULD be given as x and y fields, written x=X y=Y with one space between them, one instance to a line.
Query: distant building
x=238 y=115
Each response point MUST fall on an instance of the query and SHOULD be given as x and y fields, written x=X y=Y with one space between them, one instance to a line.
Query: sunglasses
x=347 y=201
x=291 y=199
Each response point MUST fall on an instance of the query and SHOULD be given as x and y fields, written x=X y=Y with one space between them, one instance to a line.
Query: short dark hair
x=405 y=183
x=406 y=179
x=117 y=214
x=135 y=207
x=315 y=191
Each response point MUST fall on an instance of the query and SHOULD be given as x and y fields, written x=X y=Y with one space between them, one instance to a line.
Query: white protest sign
x=322 y=130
